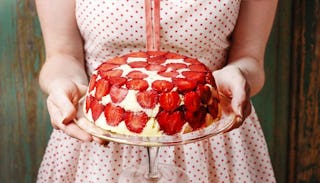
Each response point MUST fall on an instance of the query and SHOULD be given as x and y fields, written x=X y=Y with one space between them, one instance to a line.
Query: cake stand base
x=165 y=174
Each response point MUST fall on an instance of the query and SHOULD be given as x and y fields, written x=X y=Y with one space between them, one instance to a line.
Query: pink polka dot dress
x=195 y=28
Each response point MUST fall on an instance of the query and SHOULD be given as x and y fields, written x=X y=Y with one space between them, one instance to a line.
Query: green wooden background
x=288 y=105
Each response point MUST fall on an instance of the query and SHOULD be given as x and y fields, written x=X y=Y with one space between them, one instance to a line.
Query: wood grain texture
x=305 y=84
x=23 y=118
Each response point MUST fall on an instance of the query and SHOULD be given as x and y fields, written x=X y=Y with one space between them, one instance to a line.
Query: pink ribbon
x=152 y=10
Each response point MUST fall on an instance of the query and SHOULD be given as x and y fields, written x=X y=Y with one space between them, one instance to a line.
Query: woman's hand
x=232 y=83
x=63 y=98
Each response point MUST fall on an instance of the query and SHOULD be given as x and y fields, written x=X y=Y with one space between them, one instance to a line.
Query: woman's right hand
x=62 y=100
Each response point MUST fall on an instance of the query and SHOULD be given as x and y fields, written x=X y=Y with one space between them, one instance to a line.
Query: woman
x=229 y=36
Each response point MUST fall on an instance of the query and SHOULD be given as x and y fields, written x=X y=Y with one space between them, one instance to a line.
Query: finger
x=55 y=115
x=240 y=98
x=64 y=105
x=100 y=141
x=74 y=131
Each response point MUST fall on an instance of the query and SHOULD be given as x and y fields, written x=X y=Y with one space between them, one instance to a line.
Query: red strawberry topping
x=137 y=84
x=102 y=88
x=136 y=121
x=156 y=53
x=198 y=67
x=176 y=66
x=106 y=66
x=111 y=73
x=184 y=85
x=114 y=114
x=117 y=61
x=169 y=74
x=147 y=99
x=162 y=86
x=197 y=118
x=118 y=81
x=88 y=102
x=170 y=123
x=210 y=80
x=137 y=54
x=174 y=56
x=199 y=77
x=156 y=60
x=204 y=92
x=155 y=67
x=138 y=64
x=169 y=101
x=192 y=101
x=96 y=109
x=136 y=75
x=92 y=82
x=117 y=94
x=213 y=108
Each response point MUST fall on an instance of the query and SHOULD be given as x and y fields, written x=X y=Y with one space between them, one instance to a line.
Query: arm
x=243 y=76
x=63 y=75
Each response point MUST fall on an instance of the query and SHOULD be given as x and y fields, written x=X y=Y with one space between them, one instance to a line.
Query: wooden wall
x=288 y=105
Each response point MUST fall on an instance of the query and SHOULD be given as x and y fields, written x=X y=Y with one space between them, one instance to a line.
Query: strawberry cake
x=151 y=93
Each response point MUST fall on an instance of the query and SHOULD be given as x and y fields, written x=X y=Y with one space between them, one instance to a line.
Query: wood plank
x=305 y=127
x=24 y=120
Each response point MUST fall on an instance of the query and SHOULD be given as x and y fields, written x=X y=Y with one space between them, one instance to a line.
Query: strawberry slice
x=147 y=99
x=184 y=85
x=176 y=66
x=117 y=61
x=157 y=60
x=191 y=101
x=162 y=86
x=88 y=102
x=156 y=53
x=138 y=64
x=137 y=84
x=155 y=67
x=197 y=118
x=210 y=80
x=198 y=77
x=106 y=66
x=213 y=108
x=117 y=94
x=136 y=75
x=204 y=92
x=170 y=123
x=174 y=56
x=137 y=54
x=192 y=61
x=169 y=101
x=114 y=114
x=92 y=82
x=111 y=73
x=169 y=74
x=136 y=121
x=102 y=88
x=96 y=109
x=118 y=81
x=198 y=67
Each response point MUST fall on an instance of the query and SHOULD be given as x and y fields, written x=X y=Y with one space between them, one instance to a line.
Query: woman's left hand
x=232 y=83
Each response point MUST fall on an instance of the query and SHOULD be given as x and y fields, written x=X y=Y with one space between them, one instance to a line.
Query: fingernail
x=239 y=119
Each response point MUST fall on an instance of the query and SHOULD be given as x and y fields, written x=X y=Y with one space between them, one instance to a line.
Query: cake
x=151 y=93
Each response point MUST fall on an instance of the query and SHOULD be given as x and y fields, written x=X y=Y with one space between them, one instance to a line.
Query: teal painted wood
x=272 y=104
x=24 y=124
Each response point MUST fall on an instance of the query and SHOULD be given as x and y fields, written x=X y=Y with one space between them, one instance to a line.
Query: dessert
x=151 y=93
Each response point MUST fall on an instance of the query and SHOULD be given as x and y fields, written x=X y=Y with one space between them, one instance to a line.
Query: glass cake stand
x=155 y=172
